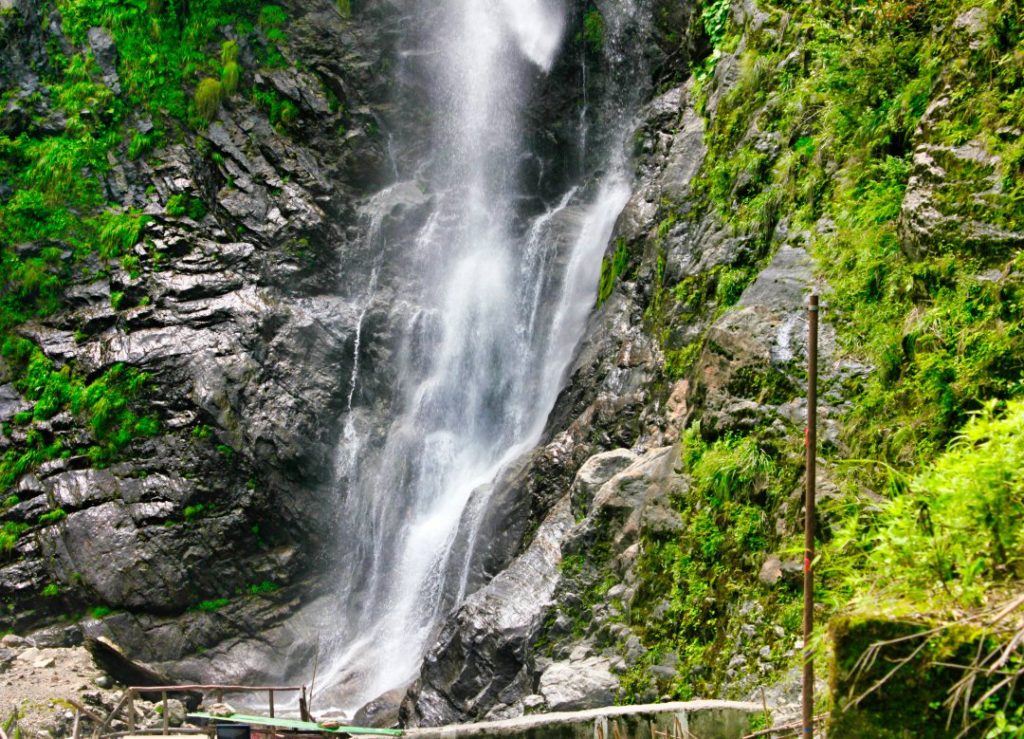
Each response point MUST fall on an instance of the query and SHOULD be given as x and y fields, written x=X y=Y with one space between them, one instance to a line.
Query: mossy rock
x=911 y=702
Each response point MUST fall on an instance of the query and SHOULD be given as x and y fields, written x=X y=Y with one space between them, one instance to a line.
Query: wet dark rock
x=55 y=637
x=243 y=314
x=481 y=652
x=11 y=403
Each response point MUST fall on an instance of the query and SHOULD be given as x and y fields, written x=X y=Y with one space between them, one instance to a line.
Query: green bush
x=209 y=606
x=51 y=591
x=57 y=514
x=594 y=29
x=959 y=528
x=263 y=588
x=229 y=77
x=208 y=96
x=10 y=532
x=229 y=53
x=715 y=16
x=272 y=16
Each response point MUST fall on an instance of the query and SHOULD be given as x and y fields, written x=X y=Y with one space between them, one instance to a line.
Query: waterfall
x=501 y=302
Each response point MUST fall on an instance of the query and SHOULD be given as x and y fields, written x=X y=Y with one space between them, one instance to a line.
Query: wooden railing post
x=167 y=719
x=131 y=709
x=271 y=697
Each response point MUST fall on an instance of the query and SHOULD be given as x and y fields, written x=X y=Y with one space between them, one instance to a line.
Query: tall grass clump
x=209 y=94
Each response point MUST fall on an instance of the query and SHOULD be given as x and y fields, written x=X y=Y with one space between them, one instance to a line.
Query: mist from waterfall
x=503 y=302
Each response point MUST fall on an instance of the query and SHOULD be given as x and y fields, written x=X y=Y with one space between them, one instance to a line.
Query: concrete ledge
x=705 y=719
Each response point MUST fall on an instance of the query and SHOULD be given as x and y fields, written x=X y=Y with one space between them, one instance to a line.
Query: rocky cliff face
x=636 y=553
x=240 y=302
x=243 y=306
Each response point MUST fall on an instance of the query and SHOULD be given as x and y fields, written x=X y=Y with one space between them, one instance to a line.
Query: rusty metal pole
x=811 y=444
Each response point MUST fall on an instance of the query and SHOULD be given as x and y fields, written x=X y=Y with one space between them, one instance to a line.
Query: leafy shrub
x=715 y=17
x=960 y=526
x=51 y=591
x=263 y=588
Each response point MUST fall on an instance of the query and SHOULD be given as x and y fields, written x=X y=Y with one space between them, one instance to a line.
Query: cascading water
x=502 y=301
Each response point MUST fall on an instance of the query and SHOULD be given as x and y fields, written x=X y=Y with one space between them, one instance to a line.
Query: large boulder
x=574 y=686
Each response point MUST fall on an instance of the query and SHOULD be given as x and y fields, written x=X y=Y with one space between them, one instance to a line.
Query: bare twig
x=790 y=727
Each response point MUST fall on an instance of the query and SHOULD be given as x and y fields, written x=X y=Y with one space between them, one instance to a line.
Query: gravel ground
x=36 y=683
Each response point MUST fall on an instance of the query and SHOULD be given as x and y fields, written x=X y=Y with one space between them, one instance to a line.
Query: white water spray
x=502 y=305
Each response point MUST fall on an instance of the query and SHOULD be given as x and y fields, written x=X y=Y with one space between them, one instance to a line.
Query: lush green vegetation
x=846 y=109
x=845 y=98
x=958 y=526
x=109 y=404
x=820 y=129
x=691 y=582
x=175 y=68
